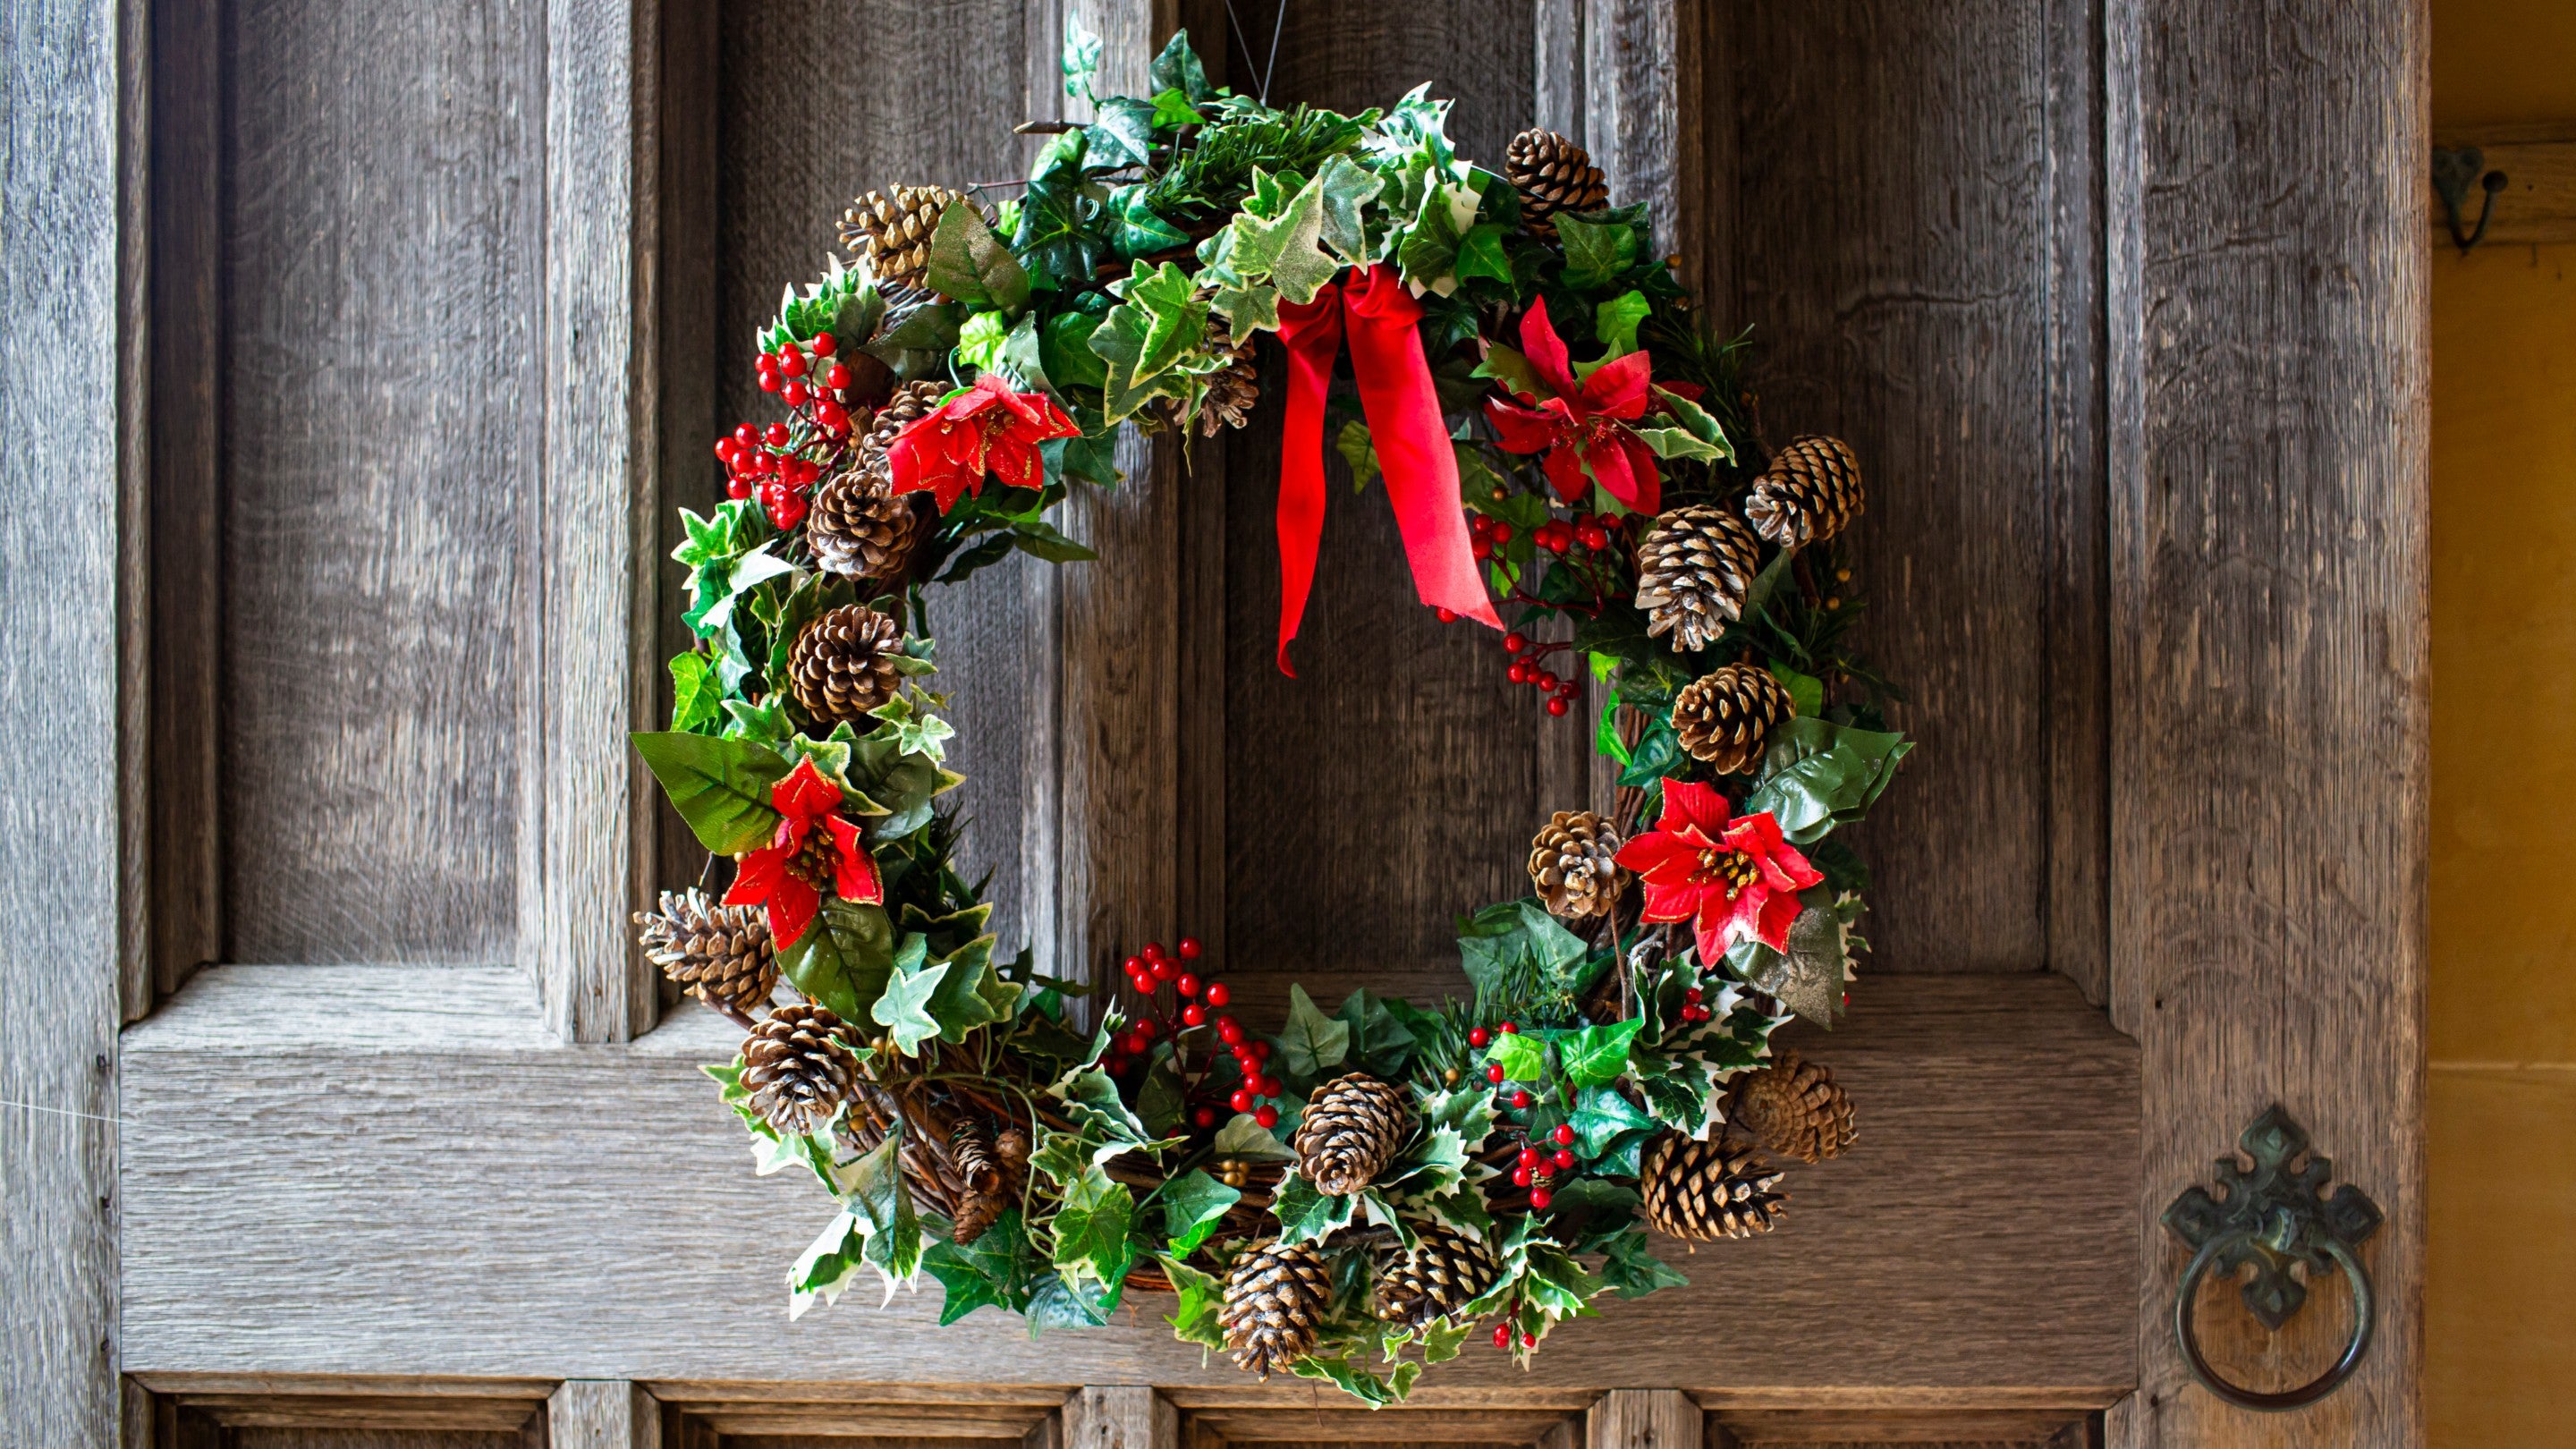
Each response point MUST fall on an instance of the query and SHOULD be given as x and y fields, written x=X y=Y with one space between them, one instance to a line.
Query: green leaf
x=983 y=1273
x=1193 y=1205
x=826 y=1266
x=1043 y=540
x=1680 y=443
x=1246 y=1138
x=843 y=958
x=1818 y=775
x=1286 y=249
x=1697 y=420
x=1064 y=350
x=1091 y=1229
x=1429 y=254
x=695 y=692
x=983 y=340
x=1515 y=953
x=1597 y=251
x=1177 y=68
x=1163 y=1100
x=1614 y=322
x=1081 y=60
x=971 y=994
x=1306 y=1215
x=1091 y=1100
x=1513 y=370
x=1601 y=1115
x=1596 y=1055
x=1632 y=1270
x=1676 y=1097
x=1345 y=187
x=1378 y=1042
x=1805 y=689
x=1172 y=110
x=1201 y=1296
x=1142 y=231
x=903 y=1009
x=1480 y=253
x=1122 y=135
x=969 y=264
x=1249 y=309
x=1556 y=1282
x=1312 y=1043
x=1120 y=342
x=721 y=787
x=1053 y=1304
x=1521 y=1055
x=1358 y=450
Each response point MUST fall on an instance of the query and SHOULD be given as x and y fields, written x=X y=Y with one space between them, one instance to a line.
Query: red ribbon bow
x=1404 y=424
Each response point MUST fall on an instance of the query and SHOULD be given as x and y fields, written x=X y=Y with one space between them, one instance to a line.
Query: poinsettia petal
x=804 y=794
x=1546 y=350
x=1565 y=470
x=854 y=870
x=1519 y=429
x=1687 y=391
x=791 y=910
x=1618 y=387
x=1641 y=466
x=757 y=875
x=1671 y=902
x=1695 y=805
x=1047 y=421
x=1757 y=835
x=1713 y=929
x=1610 y=467
x=1016 y=463
x=1779 y=912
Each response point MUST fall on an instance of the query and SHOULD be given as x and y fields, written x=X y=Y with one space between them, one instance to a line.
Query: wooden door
x=400 y=1147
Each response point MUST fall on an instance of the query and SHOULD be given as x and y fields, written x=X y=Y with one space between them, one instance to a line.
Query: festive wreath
x=1344 y=1198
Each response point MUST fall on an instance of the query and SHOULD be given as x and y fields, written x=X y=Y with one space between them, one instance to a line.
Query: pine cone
x=1232 y=393
x=1275 y=1298
x=1445 y=1272
x=1553 y=175
x=1693 y=570
x=1724 y=716
x=843 y=663
x=1792 y=1107
x=891 y=233
x=911 y=403
x=1704 y=1191
x=797 y=1069
x=988 y=1186
x=723 y=954
x=1810 y=492
x=1571 y=864
x=1354 y=1126
x=859 y=528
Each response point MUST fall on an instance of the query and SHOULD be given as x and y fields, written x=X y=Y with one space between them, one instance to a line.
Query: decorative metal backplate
x=2275 y=1216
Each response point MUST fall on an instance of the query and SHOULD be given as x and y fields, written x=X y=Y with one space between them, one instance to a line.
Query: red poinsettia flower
x=814 y=847
x=1583 y=426
x=1729 y=877
x=986 y=429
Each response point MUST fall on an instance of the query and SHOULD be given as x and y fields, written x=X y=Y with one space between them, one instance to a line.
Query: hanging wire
x=1278 y=24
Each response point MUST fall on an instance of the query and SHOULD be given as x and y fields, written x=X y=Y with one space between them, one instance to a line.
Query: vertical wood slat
x=60 y=484
x=1123 y=1417
x=2268 y=577
x=1645 y=1419
x=134 y=507
x=586 y=817
x=602 y=1414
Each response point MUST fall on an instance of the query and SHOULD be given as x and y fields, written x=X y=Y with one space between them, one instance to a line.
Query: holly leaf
x=721 y=787
x=843 y=958
x=1306 y=1215
x=903 y=1008
x=1698 y=420
x=983 y=1273
x=1434 y=1167
x=969 y=264
x=1681 y=443
x=1596 y=1055
x=1676 y=1096
x=1193 y=1205
x=1553 y=1280
x=826 y=1266
x=1312 y=1043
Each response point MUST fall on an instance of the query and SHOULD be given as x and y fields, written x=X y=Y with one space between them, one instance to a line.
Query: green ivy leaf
x=721 y=787
x=1177 y=68
x=1124 y=388
x=1091 y=1230
x=1142 y=231
x=1172 y=110
x=1601 y=1115
x=1248 y=309
x=1246 y=1138
x=1480 y=253
x=1632 y=1270
x=1344 y=187
x=1193 y=1205
x=1598 y=249
x=1614 y=322
x=1201 y=1295
x=1122 y=135
x=1091 y=1100
x=1597 y=1055
x=1064 y=350
x=971 y=994
x=903 y=1008
x=1522 y=1056
x=1287 y=249
x=969 y=264
x=1163 y=1100
x=983 y=1273
x=695 y=692
x=1513 y=370
x=1312 y=1043
x=1306 y=1215
x=1378 y=1042
x=1806 y=690
x=1360 y=451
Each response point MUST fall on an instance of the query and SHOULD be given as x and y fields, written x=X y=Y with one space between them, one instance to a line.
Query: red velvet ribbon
x=1404 y=423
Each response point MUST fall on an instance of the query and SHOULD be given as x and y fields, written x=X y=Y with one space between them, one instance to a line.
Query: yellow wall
x=2500 y=1312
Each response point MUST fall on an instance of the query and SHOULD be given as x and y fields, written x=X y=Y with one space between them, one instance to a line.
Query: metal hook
x=2452 y=173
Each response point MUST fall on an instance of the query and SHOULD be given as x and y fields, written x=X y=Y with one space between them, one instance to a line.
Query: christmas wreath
x=1346 y=1198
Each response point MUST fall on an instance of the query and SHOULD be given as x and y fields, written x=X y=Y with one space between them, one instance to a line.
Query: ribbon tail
x=1412 y=444
x=1312 y=334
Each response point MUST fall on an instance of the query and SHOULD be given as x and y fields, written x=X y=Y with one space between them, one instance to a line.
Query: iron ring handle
x=2188 y=1339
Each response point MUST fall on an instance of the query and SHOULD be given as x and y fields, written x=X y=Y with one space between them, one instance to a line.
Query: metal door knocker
x=2273 y=1217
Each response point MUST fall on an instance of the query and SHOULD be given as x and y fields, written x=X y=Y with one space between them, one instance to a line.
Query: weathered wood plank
x=60 y=576
x=1645 y=1419
x=1125 y=1417
x=423 y=1255
x=384 y=228
x=587 y=819
x=2268 y=577
x=602 y=1414
x=133 y=532
x=2538 y=204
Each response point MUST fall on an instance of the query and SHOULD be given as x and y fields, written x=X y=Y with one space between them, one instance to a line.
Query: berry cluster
x=1526 y=669
x=1195 y=1003
x=1692 y=1012
x=1540 y=1162
x=773 y=461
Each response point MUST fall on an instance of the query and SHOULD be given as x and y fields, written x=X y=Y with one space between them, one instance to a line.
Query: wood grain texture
x=586 y=829
x=815 y=104
x=434 y=1253
x=133 y=373
x=1645 y=1419
x=2268 y=567
x=2538 y=204
x=1900 y=179
x=602 y=1414
x=60 y=584
x=382 y=437
x=1123 y=1417
x=1328 y=1423
x=1953 y=1429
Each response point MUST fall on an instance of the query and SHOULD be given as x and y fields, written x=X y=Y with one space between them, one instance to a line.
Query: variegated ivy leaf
x=1306 y=1215
x=826 y=1266
x=1345 y=187
x=1091 y=1229
x=1286 y=248
x=1246 y=1138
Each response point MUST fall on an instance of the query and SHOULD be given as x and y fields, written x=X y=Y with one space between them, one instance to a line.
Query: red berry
x=1516 y=641
x=1559 y=707
x=1140 y=1041
x=744 y=435
x=737 y=487
x=1509 y=1028
x=1217 y=995
x=1521 y=1177
x=1132 y=965
x=1153 y=950
x=1691 y=995
x=1595 y=539
x=1477 y=1036
x=1267 y=1086
x=829 y=414
x=823 y=344
x=1502 y=1335
x=1528 y=1157
x=1261 y=1051
x=1529 y=1339
x=1522 y=1099
x=785 y=506
x=1146 y=1028
x=1480 y=548
x=1241 y=1101
x=775 y=435
x=1163 y=968
x=1539 y=1199
x=1193 y=1015
x=1267 y=1116
x=1189 y=949
x=1564 y=1134
x=1501 y=532
x=836 y=377
x=769 y=382
x=791 y=361
x=1229 y=1030
x=796 y=394
x=1494 y=1073
x=1565 y=1159
x=1204 y=1118
x=1445 y=616
x=1557 y=542
x=1518 y=673
x=1477 y=523
x=1186 y=984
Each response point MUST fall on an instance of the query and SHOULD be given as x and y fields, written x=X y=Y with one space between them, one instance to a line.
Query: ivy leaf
x=1065 y=353
x=1248 y=309
x=969 y=264
x=1172 y=110
x=1378 y=1042
x=1513 y=370
x=1142 y=230
x=1177 y=68
x=1052 y=1304
x=1286 y=249
x=1601 y=1114
x=1193 y=1205
x=1360 y=451
x=969 y=995
x=1429 y=254
x=1480 y=254
x=1805 y=690
x=1597 y=250
x=1091 y=1230
x=1443 y=1338
x=1194 y=1319
x=1306 y=1215
x=1122 y=135
x=1092 y=1101
x=1044 y=540
x=1614 y=322
x=843 y=959
x=984 y=1272
x=1522 y=1056
x=1124 y=388
x=1164 y=1098
x=1344 y=186
x=1312 y=1043
x=695 y=693
x=1632 y=1270
x=903 y=1008
x=1246 y=1138
x=1358 y=1382
x=1596 y=1055
x=721 y=787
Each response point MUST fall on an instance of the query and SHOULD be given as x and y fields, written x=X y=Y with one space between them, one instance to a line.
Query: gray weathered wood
x=1644 y=1419
x=602 y=1414
x=61 y=329
x=2268 y=577
x=242 y=1103
x=586 y=810
x=1637 y=122
x=383 y=239
x=1120 y=1418
x=133 y=115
